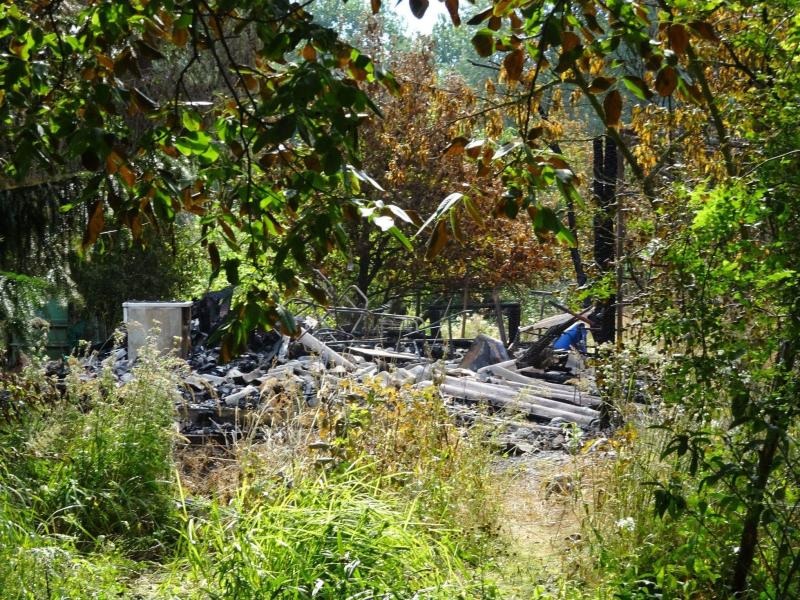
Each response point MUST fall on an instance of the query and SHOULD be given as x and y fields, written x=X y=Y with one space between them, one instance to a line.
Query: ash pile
x=531 y=401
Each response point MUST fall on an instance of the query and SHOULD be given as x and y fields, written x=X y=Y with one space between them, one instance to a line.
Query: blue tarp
x=574 y=337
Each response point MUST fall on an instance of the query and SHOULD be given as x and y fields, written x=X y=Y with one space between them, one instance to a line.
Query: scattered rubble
x=528 y=409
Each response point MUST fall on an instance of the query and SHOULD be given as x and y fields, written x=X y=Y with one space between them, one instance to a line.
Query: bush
x=162 y=266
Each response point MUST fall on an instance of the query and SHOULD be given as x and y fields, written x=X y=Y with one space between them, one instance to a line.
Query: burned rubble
x=526 y=408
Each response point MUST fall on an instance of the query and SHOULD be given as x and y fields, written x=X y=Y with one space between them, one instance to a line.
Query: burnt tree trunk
x=604 y=188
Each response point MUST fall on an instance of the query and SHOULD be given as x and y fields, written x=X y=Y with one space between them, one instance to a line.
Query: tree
x=35 y=242
x=265 y=162
x=413 y=166
x=709 y=85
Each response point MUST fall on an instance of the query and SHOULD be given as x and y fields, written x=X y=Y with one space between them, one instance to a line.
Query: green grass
x=94 y=503
x=336 y=536
x=96 y=464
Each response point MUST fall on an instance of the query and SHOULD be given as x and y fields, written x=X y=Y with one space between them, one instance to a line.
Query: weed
x=334 y=536
x=374 y=493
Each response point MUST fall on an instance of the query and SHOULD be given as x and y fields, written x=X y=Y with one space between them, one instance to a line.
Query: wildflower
x=628 y=524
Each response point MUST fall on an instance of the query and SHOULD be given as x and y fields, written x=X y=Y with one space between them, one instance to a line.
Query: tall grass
x=35 y=565
x=94 y=505
x=339 y=536
x=86 y=480
x=96 y=464
x=375 y=494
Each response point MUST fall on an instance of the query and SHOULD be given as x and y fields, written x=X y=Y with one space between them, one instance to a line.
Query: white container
x=167 y=323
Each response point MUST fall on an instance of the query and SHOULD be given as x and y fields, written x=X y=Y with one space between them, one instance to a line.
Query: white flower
x=628 y=524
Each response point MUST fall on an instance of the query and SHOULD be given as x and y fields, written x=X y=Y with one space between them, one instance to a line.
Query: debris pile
x=527 y=408
x=480 y=385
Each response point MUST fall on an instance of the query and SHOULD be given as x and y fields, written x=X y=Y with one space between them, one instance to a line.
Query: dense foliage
x=289 y=145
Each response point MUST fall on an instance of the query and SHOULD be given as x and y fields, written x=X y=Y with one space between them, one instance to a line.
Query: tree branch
x=716 y=117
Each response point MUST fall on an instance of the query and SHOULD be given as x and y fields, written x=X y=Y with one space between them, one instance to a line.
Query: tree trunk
x=766 y=464
x=604 y=188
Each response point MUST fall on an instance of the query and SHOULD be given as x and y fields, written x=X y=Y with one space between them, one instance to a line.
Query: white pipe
x=312 y=344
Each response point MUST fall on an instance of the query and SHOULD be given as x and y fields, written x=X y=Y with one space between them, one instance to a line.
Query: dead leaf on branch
x=513 y=63
x=612 y=106
x=678 y=38
x=456 y=146
x=452 y=8
x=96 y=223
x=666 y=81
x=438 y=240
x=601 y=84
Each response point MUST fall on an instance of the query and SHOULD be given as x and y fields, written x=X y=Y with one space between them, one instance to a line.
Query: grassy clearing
x=373 y=494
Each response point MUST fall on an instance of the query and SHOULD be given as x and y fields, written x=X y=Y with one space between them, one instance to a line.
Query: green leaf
x=566 y=237
x=286 y=323
x=282 y=129
x=511 y=206
x=191 y=120
x=637 y=87
x=546 y=219
x=446 y=204
x=213 y=256
x=401 y=237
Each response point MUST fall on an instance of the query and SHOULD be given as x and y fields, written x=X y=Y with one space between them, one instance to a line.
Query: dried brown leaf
x=456 y=146
x=95 y=225
x=452 y=8
x=513 y=63
x=666 y=81
x=612 y=106
x=678 y=38
x=437 y=241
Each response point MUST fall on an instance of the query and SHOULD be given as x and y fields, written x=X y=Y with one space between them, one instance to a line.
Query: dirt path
x=539 y=520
